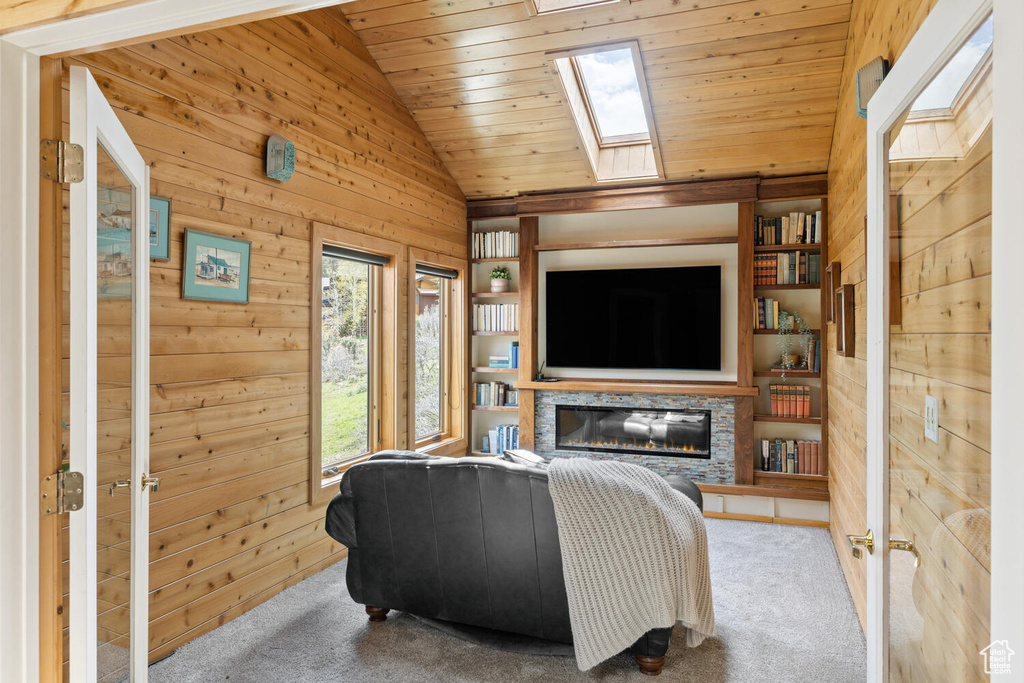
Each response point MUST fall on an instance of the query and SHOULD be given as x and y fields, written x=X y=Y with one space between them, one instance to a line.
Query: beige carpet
x=783 y=613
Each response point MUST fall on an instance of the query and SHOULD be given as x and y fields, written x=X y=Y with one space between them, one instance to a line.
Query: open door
x=929 y=313
x=109 y=407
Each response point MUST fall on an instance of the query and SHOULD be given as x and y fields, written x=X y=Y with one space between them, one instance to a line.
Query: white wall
x=677 y=222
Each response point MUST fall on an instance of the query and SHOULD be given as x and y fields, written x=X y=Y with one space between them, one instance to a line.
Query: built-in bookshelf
x=494 y=336
x=788 y=259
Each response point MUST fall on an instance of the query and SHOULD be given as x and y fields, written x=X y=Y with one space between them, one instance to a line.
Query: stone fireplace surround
x=718 y=469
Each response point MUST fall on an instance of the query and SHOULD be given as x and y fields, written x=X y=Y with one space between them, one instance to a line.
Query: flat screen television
x=636 y=318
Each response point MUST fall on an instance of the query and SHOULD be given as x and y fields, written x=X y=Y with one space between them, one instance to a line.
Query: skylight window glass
x=609 y=79
x=942 y=91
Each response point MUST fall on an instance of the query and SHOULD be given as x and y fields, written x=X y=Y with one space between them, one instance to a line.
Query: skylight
x=610 y=84
x=942 y=91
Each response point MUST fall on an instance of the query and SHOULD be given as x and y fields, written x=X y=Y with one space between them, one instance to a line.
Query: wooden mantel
x=616 y=387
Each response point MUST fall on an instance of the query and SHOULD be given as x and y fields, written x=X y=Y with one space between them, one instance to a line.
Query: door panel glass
x=347 y=360
x=114 y=220
x=430 y=351
x=940 y=182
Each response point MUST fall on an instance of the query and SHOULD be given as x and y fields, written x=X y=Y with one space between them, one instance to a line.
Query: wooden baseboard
x=792 y=521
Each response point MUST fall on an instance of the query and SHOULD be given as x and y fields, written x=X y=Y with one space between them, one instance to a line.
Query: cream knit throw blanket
x=634 y=555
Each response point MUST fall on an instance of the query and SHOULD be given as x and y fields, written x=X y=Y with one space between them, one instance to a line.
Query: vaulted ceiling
x=737 y=87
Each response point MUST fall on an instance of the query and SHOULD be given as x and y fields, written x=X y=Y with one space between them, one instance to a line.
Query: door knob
x=903 y=544
x=120 y=484
x=858 y=542
x=152 y=482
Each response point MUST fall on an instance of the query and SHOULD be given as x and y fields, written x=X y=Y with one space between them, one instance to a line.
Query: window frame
x=444 y=302
x=387 y=326
x=452 y=440
x=605 y=141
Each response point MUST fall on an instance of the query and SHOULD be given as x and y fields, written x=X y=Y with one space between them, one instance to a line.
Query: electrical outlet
x=931 y=418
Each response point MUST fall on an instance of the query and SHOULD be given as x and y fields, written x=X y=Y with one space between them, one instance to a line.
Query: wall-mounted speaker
x=869 y=77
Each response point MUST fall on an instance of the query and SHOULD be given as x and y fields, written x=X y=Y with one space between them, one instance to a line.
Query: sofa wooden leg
x=650 y=665
x=377 y=613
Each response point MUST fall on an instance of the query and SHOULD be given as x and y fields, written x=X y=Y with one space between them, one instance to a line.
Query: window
x=349 y=365
x=432 y=353
x=535 y=7
x=608 y=81
x=606 y=97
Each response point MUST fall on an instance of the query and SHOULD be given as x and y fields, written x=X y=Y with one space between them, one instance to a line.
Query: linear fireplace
x=674 y=433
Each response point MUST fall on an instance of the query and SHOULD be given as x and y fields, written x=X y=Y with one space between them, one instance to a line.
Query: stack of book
x=790 y=400
x=495 y=394
x=791 y=456
x=495 y=317
x=502 y=438
x=511 y=361
x=796 y=228
x=498 y=244
x=787 y=268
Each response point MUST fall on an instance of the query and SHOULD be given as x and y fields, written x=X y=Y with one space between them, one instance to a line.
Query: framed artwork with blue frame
x=215 y=268
x=159 y=228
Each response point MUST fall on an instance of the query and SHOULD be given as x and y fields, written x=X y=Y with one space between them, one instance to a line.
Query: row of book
x=495 y=394
x=766 y=313
x=498 y=244
x=790 y=400
x=787 y=268
x=507 y=362
x=796 y=228
x=495 y=317
x=791 y=456
x=502 y=438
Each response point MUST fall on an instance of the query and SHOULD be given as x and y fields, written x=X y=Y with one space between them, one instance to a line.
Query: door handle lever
x=152 y=482
x=857 y=542
x=903 y=544
x=120 y=484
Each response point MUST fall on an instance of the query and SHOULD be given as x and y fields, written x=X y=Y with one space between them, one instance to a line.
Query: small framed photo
x=215 y=268
x=159 y=228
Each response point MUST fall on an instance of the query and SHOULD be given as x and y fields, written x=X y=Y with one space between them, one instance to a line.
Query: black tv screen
x=637 y=318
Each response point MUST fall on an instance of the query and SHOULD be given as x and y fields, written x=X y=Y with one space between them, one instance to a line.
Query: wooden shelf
x=510 y=259
x=796 y=481
x=796 y=333
x=498 y=409
x=640 y=388
x=632 y=244
x=806 y=374
x=807 y=286
x=788 y=420
x=495 y=334
x=778 y=488
x=787 y=247
x=503 y=371
x=495 y=295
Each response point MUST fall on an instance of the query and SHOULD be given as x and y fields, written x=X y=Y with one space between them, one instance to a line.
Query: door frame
x=948 y=25
x=25 y=557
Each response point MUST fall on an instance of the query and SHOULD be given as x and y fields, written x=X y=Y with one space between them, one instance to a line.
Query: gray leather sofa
x=464 y=540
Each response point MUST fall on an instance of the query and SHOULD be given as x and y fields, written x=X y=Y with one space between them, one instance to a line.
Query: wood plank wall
x=230 y=525
x=877 y=27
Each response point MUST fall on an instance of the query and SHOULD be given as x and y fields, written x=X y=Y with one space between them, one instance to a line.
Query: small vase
x=499 y=284
x=790 y=360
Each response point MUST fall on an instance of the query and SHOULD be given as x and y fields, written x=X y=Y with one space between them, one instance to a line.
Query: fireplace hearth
x=671 y=433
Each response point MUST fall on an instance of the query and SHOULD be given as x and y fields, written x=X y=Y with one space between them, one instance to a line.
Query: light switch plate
x=931 y=418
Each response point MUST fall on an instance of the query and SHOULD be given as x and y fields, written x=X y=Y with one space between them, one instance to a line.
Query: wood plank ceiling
x=737 y=87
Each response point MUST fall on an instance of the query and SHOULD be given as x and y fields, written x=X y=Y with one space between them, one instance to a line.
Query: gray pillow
x=524 y=457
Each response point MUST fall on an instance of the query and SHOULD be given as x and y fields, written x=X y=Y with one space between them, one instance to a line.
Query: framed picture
x=160 y=228
x=832 y=279
x=216 y=268
x=844 y=315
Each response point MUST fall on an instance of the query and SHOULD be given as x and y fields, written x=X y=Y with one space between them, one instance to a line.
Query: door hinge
x=61 y=162
x=61 y=492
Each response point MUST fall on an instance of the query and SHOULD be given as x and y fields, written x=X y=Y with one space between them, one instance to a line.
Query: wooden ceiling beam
x=653 y=196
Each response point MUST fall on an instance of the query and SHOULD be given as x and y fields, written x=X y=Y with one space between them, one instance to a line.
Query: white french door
x=109 y=411
x=929 y=367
